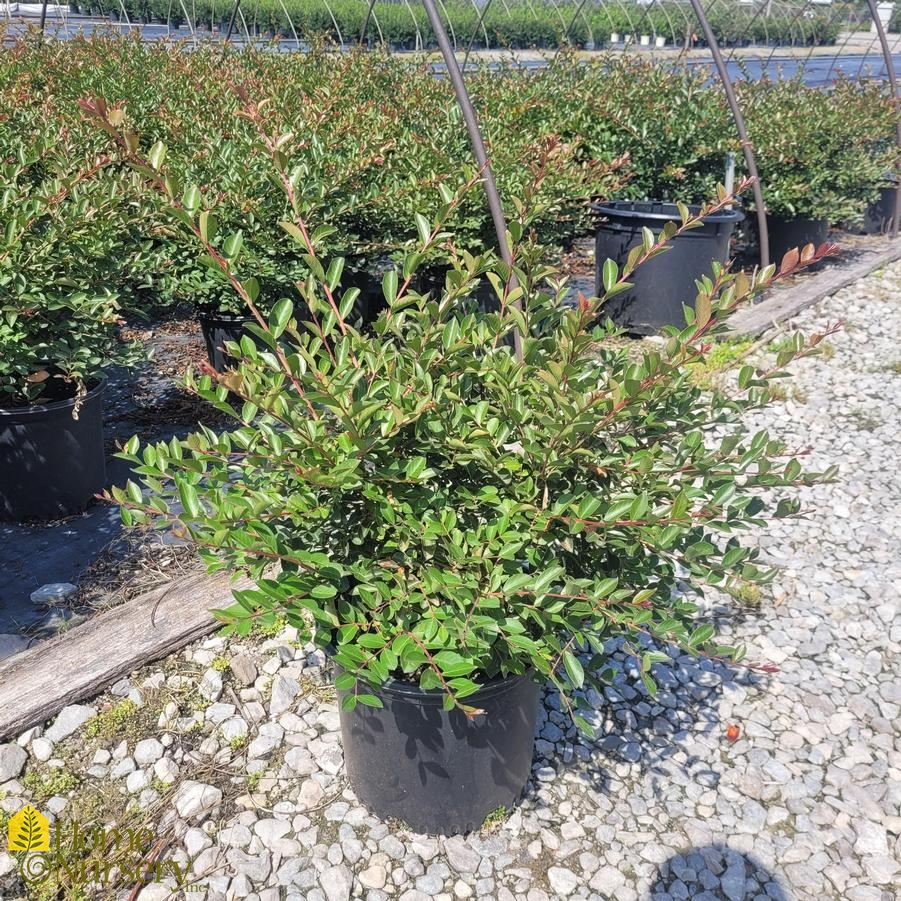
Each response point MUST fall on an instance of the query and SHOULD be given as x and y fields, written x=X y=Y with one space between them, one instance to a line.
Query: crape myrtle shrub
x=70 y=235
x=448 y=505
x=378 y=138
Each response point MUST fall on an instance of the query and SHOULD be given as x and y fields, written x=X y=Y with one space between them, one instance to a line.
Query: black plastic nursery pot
x=784 y=234
x=217 y=328
x=663 y=284
x=51 y=464
x=436 y=770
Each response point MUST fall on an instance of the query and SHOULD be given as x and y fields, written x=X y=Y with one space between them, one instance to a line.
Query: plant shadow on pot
x=787 y=234
x=439 y=771
x=877 y=218
x=51 y=464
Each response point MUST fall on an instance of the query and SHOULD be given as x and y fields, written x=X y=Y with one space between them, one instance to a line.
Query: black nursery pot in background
x=786 y=234
x=877 y=218
x=51 y=464
x=663 y=284
x=438 y=771
x=217 y=328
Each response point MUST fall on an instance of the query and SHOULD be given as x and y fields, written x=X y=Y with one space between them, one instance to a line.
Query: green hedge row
x=514 y=25
x=375 y=140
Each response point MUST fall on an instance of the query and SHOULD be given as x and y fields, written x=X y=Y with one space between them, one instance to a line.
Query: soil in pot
x=51 y=464
x=661 y=285
x=784 y=234
x=436 y=770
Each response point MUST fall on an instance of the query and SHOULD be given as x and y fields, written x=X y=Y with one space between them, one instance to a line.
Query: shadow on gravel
x=677 y=736
x=715 y=872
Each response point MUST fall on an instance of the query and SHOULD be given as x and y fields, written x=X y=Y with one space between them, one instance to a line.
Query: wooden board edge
x=758 y=319
x=180 y=614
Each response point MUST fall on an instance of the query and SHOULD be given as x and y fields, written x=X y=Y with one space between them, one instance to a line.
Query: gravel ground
x=231 y=750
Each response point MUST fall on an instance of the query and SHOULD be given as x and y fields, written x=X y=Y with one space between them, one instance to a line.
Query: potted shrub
x=63 y=252
x=619 y=122
x=820 y=162
x=454 y=520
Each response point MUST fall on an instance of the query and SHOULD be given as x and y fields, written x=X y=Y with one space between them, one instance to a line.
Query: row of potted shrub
x=514 y=25
x=362 y=170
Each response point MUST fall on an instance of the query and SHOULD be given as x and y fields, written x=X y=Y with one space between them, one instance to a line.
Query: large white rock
x=53 y=593
x=12 y=761
x=196 y=799
x=70 y=718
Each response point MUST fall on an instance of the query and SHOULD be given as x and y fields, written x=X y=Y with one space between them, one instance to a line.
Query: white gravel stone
x=373 y=877
x=337 y=883
x=166 y=770
x=243 y=669
x=53 y=593
x=871 y=838
x=137 y=781
x=147 y=751
x=284 y=691
x=123 y=768
x=41 y=748
x=211 y=686
x=196 y=799
x=68 y=720
x=460 y=856
x=562 y=881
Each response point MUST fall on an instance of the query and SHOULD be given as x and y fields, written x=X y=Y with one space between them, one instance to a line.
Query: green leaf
x=280 y=316
x=190 y=500
x=423 y=227
x=369 y=701
x=573 y=669
x=345 y=681
x=191 y=199
x=610 y=273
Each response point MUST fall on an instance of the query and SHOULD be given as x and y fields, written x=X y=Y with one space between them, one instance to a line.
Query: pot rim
x=772 y=217
x=410 y=691
x=55 y=406
x=210 y=316
x=665 y=212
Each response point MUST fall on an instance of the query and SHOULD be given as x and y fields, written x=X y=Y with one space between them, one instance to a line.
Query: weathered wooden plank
x=787 y=302
x=37 y=683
